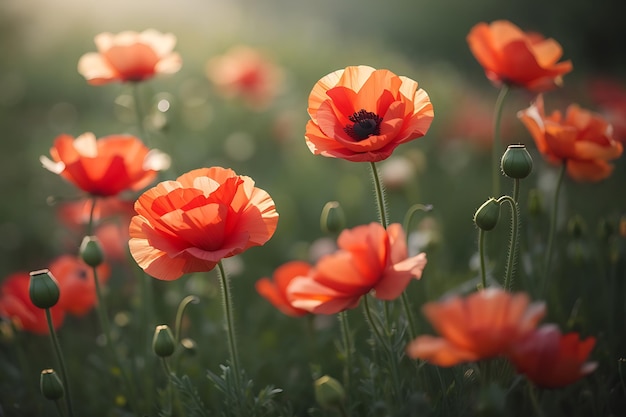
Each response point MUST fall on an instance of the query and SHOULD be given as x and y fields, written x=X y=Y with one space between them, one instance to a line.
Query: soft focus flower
x=130 y=56
x=482 y=325
x=190 y=224
x=511 y=56
x=363 y=114
x=275 y=289
x=15 y=304
x=611 y=98
x=552 y=360
x=75 y=278
x=107 y=166
x=245 y=72
x=581 y=139
x=369 y=258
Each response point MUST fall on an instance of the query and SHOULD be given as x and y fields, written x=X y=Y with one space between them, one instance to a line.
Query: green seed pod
x=163 y=342
x=328 y=392
x=91 y=251
x=516 y=162
x=333 y=219
x=43 y=290
x=50 y=385
x=487 y=215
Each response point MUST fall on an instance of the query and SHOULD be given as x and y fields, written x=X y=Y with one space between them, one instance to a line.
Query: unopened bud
x=190 y=346
x=516 y=162
x=91 y=251
x=44 y=289
x=487 y=215
x=606 y=230
x=576 y=227
x=163 y=342
x=333 y=219
x=50 y=385
x=328 y=392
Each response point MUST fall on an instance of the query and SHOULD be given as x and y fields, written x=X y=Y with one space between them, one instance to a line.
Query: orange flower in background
x=369 y=258
x=363 y=114
x=247 y=73
x=611 y=98
x=190 y=224
x=482 y=325
x=15 y=305
x=275 y=289
x=76 y=281
x=130 y=56
x=552 y=360
x=581 y=139
x=511 y=56
x=107 y=166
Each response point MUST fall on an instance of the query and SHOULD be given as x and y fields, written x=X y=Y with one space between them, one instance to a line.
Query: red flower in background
x=190 y=224
x=363 y=114
x=130 y=56
x=611 y=98
x=107 y=166
x=581 y=139
x=247 y=73
x=275 y=289
x=15 y=305
x=369 y=258
x=482 y=325
x=511 y=56
x=552 y=360
x=76 y=282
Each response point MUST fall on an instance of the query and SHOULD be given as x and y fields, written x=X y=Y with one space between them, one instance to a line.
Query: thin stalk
x=409 y=315
x=512 y=255
x=92 y=211
x=534 y=400
x=495 y=149
x=516 y=189
x=413 y=210
x=347 y=342
x=481 y=254
x=553 y=217
x=57 y=403
x=230 y=325
x=380 y=195
x=170 y=391
x=190 y=299
x=57 y=350
x=139 y=112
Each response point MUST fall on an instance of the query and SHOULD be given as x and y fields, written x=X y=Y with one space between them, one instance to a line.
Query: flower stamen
x=366 y=124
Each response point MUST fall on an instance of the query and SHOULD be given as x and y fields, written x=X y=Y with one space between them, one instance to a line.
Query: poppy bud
x=605 y=230
x=516 y=162
x=190 y=346
x=487 y=215
x=163 y=342
x=43 y=290
x=333 y=219
x=91 y=251
x=535 y=202
x=576 y=227
x=50 y=385
x=328 y=392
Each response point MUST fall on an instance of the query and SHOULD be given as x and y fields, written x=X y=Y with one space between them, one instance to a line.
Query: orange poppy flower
x=75 y=278
x=511 y=56
x=15 y=304
x=107 y=166
x=190 y=224
x=275 y=290
x=363 y=114
x=130 y=56
x=245 y=72
x=369 y=258
x=582 y=139
x=483 y=325
x=552 y=360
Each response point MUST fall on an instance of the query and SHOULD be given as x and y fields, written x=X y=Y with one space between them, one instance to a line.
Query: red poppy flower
x=247 y=73
x=582 y=139
x=369 y=258
x=107 y=166
x=363 y=114
x=552 y=360
x=76 y=282
x=275 y=290
x=483 y=325
x=15 y=305
x=130 y=56
x=611 y=98
x=511 y=56
x=190 y=224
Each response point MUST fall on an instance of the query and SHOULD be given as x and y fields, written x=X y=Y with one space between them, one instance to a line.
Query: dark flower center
x=365 y=124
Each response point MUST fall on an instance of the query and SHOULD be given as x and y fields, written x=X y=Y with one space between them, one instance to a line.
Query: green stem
x=481 y=254
x=190 y=299
x=59 y=354
x=170 y=391
x=230 y=326
x=413 y=210
x=92 y=211
x=495 y=150
x=57 y=403
x=347 y=342
x=408 y=312
x=516 y=189
x=139 y=112
x=380 y=195
x=534 y=400
x=553 y=227
x=509 y=272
